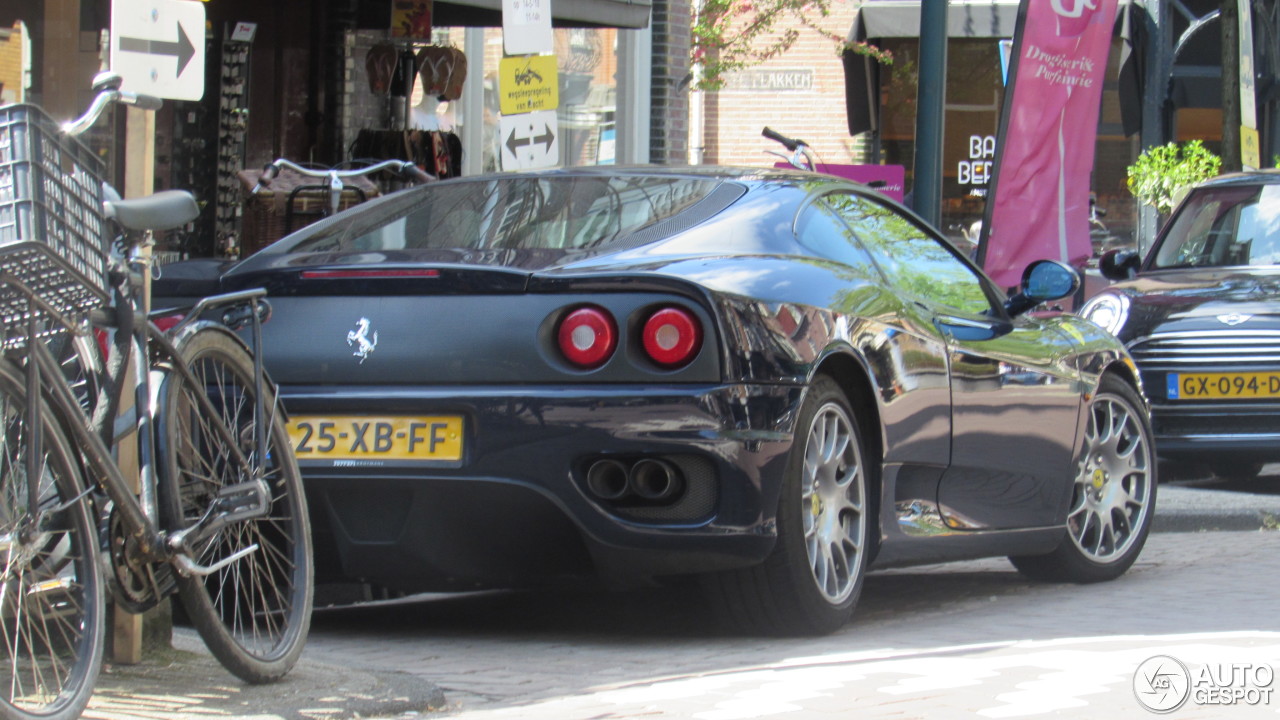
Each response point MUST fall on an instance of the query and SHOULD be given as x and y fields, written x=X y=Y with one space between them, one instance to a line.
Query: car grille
x=1182 y=351
x=1205 y=352
x=1170 y=424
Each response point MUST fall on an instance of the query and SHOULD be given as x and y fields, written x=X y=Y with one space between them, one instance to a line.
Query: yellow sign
x=1250 y=153
x=527 y=83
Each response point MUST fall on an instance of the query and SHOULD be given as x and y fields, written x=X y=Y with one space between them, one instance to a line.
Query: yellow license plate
x=1219 y=386
x=350 y=437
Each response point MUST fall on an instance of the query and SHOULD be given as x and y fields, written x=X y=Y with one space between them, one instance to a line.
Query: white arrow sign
x=157 y=46
x=530 y=140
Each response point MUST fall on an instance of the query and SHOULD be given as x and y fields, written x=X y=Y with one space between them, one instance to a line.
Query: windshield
x=1222 y=227
x=553 y=212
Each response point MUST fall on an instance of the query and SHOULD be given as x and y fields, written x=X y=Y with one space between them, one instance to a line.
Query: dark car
x=1201 y=316
x=772 y=380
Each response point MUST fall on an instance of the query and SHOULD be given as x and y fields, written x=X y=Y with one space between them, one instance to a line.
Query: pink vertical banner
x=1039 y=206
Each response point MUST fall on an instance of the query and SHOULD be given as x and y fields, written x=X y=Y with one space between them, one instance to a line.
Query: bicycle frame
x=139 y=513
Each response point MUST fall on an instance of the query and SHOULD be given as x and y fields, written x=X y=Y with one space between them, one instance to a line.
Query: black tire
x=52 y=600
x=255 y=613
x=1114 y=497
x=810 y=584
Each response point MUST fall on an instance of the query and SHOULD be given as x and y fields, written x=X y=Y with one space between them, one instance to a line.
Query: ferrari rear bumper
x=518 y=508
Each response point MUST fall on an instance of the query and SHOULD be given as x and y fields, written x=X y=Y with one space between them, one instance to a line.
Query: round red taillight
x=587 y=337
x=672 y=336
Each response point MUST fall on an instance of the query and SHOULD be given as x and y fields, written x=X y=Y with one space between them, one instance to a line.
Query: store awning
x=965 y=18
x=880 y=19
x=628 y=14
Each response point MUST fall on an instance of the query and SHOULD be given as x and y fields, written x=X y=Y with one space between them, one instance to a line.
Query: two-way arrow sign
x=530 y=140
x=153 y=50
x=546 y=138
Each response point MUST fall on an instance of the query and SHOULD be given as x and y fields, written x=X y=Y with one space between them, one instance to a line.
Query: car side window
x=915 y=262
x=822 y=232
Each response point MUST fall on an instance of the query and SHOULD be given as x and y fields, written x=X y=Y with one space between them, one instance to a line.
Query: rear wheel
x=254 y=613
x=52 y=606
x=1114 y=498
x=83 y=368
x=811 y=581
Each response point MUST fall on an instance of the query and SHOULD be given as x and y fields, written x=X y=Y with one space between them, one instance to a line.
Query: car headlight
x=1107 y=311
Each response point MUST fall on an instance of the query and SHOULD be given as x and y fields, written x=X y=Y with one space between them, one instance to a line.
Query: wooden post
x=139 y=170
x=126 y=628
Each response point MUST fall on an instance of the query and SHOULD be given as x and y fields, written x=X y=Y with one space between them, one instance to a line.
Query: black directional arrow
x=546 y=138
x=182 y=49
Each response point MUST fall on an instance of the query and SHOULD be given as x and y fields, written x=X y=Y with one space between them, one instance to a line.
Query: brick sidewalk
x=969 y=639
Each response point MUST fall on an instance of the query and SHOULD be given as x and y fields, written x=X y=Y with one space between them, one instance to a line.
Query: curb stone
x=178 y=684
x=1180 y=509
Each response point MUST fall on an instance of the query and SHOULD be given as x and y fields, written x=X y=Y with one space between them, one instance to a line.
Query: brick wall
x=799 y=93
x=11 y=64
x=669 y=95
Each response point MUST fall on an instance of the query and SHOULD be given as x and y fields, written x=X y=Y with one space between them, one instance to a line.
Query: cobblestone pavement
x=969 y=639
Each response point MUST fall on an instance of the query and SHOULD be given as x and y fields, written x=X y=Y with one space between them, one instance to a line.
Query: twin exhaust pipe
x=648 y=479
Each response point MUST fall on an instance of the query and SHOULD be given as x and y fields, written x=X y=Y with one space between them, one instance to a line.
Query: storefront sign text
x=977 y=169
x=798 y=80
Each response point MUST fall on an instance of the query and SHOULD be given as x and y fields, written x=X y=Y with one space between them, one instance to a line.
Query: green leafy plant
x=1161 y=171
x=730 y=35
x=875 y=52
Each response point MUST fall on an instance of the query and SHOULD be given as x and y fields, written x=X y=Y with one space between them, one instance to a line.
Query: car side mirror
x=1042 y=281
x=1119 y=264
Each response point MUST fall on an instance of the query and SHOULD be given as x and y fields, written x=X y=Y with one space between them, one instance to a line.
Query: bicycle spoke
x=254 y=612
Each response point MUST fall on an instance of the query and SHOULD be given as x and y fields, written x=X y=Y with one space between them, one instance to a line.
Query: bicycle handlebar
x=403 y=168
x=801 y=157
x=334 y=177
x=109 y=92
x=791 y=144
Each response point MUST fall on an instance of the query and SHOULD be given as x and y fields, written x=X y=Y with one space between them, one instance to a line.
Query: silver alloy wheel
x=832 y=503
x=1113 y=489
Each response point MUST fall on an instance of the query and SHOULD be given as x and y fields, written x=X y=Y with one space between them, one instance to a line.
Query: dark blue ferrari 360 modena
x=771 y=380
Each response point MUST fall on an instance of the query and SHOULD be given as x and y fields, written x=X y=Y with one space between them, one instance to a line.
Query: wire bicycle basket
x=52 y=237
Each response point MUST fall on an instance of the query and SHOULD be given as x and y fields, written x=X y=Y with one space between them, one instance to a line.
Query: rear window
x=554 y=212
x=1222 y=227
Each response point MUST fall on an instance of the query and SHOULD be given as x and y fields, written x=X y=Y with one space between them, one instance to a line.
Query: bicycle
x=218 y=517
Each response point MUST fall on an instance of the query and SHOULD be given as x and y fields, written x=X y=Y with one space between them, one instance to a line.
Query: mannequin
x=427 y=112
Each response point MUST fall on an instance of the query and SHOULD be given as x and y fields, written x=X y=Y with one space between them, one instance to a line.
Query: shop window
x=587 y=65
x=975 y=97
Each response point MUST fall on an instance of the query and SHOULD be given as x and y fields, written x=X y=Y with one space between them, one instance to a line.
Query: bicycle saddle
x=164 y=210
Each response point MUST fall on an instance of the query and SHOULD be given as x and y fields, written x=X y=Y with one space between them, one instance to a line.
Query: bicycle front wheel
x=253 y=613
x=52 y=608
